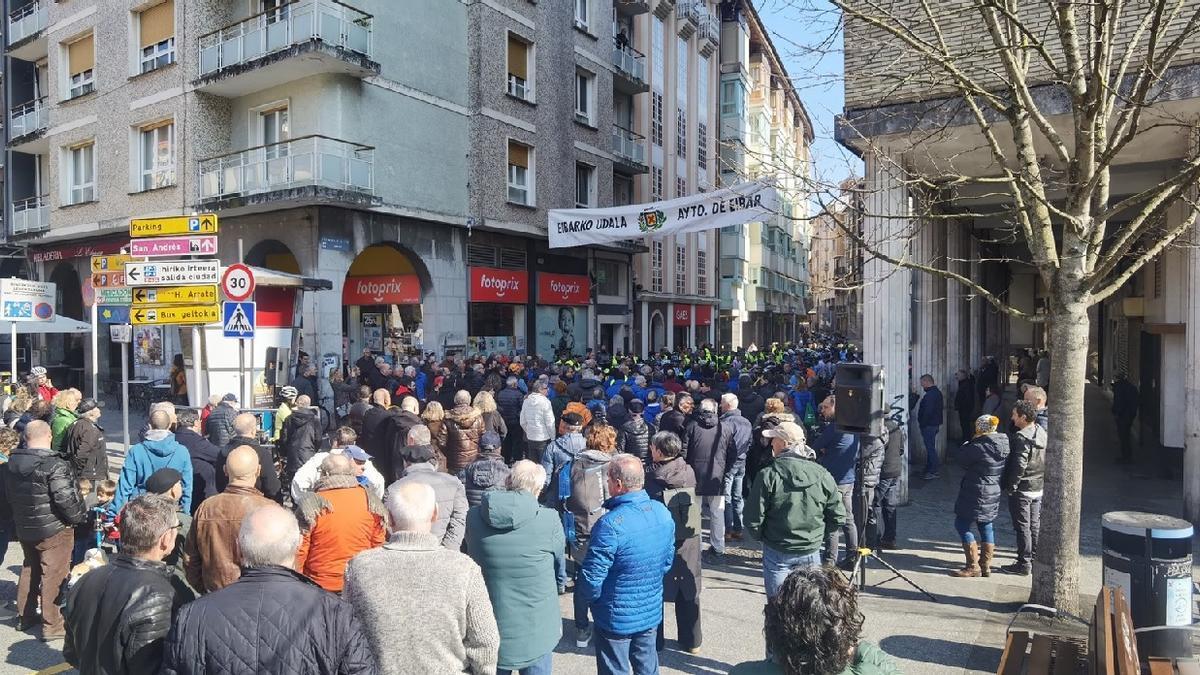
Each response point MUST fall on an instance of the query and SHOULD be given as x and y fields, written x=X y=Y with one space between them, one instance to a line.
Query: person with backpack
x=672 y=481
x=587 y=490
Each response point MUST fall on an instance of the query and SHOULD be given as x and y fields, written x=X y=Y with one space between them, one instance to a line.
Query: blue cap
x=356 y=453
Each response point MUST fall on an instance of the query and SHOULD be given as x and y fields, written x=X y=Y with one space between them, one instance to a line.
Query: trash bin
x=1149 y=557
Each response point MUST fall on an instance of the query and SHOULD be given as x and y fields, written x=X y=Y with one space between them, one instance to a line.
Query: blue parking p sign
x=238 y=319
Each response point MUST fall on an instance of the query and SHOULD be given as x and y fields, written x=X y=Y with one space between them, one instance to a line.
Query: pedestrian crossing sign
x=238 y=319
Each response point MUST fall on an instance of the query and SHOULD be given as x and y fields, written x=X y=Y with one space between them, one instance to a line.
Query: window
x=81 y=60
x=608 y=277
x=681 y=73
x=702 y=87
x=1158 y=276
x=157 y=156
x=658 y=52
x=680 y=187
x=81 y=173
x=581 y=14
x=584 y=99
x=656 y=118
x=732 y=98
x=702 y=146
x=656 y=183
x=656 y=267
x=520 y=173
x=702 y=271
x=681 y=133
x=156 y=28
x=680 y=269
x=519 y=83
x=275 y=11
x=585 y=189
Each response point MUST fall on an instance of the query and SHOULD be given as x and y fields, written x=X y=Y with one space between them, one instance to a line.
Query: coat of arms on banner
x=651 y=220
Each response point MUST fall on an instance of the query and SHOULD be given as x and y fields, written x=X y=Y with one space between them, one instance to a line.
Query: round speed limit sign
x=238 y=282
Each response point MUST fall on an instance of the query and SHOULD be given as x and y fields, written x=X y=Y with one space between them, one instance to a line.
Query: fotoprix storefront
x=497 y=314
x=563 y=314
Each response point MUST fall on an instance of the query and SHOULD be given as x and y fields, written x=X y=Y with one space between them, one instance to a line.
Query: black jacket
x=204 y=456
x=673 y=421
x=487 y=472
x=271 y=620
x=305 y=387
x=1125 y=400
x=871 y=451
x=39 y=488
x=85 y=449
x=300 y=438
x=634 y=437
x=706 y=443
x=893 y=453
x=268 y=478
x=374 y=430
x=751 y=403
x=685 y=572
x=219 y=425
x=393 y=437
x=1026 y=466
x=741 y=436
x=508 y=402
x=118 y=616
x=983 y=460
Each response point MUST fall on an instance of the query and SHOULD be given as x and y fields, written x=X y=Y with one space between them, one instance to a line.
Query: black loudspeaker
x=858 y=388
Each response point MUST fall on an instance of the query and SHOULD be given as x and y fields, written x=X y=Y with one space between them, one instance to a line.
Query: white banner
x=742 y=203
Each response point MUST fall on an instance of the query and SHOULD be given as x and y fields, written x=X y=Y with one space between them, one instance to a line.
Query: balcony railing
x=30 y=215
x=28 y=117
x=302 y=162
x=710 y=27
x=629 y=146
x=631 y=62
x=692 y=10
x=279 y=28
x=26 y=20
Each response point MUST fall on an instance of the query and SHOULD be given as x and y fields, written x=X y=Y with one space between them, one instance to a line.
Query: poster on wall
x=372 y=326
x=148 y=345
x=561 y=330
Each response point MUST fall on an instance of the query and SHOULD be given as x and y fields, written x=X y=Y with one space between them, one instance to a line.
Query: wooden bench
x=1111 y=647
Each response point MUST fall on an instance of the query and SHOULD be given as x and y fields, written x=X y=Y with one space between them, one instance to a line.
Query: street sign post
x=173 y=273
x=173 y=246
x=107 y=263
x=238 y=319
x=114 y=296
x=114 y=314
x=191 y=316
x=23 y=300
x=109 y=279
x=238 y=282
x=175 y=295
x=203 y=223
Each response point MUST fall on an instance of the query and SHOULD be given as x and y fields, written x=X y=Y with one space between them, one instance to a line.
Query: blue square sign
x=238 y=319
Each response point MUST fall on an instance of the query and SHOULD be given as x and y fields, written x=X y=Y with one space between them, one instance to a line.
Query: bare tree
x=1055 y=94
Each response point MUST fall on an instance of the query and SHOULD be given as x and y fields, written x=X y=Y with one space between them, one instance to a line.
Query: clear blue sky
x=807 y=37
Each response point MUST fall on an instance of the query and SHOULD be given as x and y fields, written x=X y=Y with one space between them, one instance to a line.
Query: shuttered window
x=157 y=23
x=81 y=60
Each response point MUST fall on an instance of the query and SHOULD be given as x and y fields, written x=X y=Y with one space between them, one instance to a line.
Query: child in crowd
x=96 y=502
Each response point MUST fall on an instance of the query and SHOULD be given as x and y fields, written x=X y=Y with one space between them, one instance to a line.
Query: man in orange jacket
x=340 y=519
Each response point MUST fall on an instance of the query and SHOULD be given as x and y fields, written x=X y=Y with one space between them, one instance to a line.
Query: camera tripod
x=858 y=574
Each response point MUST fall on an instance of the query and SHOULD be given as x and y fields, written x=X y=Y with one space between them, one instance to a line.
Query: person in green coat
x=813 y=627
x=518 y=545
x=65 y=402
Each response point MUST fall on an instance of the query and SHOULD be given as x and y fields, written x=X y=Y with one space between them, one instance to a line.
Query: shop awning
x=58 y=325
x=277 y=279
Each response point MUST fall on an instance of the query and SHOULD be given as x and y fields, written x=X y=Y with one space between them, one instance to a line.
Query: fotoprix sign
x=564 y=289
x=383 y=289
x=489 y=284
x=742 y=203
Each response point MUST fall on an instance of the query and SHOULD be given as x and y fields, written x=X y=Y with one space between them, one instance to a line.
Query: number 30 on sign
x=238 y=282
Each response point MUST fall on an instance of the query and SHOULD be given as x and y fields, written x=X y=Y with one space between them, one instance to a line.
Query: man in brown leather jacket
x=211 y=550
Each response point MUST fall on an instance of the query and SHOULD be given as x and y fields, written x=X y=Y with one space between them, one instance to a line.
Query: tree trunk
x=1056 y=565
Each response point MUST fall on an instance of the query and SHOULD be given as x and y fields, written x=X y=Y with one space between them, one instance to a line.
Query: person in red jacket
x=339 y=519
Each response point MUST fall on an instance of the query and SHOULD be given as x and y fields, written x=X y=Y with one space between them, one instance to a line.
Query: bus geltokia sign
x=742 y=203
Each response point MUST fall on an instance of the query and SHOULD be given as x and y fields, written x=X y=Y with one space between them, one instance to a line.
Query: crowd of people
x=431 y=523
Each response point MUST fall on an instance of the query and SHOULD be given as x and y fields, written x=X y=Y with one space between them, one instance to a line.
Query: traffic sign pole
x=13 y=345
x=95 y=351
x=125 y=389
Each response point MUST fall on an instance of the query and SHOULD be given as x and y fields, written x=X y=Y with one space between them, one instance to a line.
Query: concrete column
x=975 y=334
x=929 y=329
x=1191 y=457
x=694 y=341
x=887 y=293
x=712 y=325
x=670 y=326
x=645 y=334
x=955 y=315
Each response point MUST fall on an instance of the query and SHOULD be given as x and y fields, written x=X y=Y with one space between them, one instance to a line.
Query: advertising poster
x=561 y=330
x=372 y=332
x=148 y=345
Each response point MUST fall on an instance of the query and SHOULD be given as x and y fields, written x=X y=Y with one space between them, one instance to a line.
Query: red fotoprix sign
x=489 y=284
x=683 y=315
x=383 y=289
x=564 y=289
x=704 y=315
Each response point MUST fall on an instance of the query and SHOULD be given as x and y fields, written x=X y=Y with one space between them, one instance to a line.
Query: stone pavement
x=963 y=633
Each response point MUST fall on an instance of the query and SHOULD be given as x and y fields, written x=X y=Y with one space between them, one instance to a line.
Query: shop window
x=608 y=277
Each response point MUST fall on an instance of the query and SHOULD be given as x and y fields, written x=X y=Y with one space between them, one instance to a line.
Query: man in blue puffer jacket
x=631 y=547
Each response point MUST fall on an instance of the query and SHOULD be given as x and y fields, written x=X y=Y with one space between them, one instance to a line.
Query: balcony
x=631 y=7
x=662 y=8
x=26 y=31
x=629 y=151
x=27 y=123
x=306 y=170
x=709 y=33
x=30 y=215
x=287 y=43
x=689 y=13
x=630 y=74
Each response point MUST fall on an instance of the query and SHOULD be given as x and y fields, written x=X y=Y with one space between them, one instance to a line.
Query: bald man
x=211 y=551
x=245 y=432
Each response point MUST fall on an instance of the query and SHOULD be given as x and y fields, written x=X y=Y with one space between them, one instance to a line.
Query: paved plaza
x=963 y=633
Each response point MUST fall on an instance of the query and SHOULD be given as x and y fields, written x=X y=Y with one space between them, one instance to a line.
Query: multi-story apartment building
x=835 y=266
x=765 y=131
x=676 y=277
x=330 y=151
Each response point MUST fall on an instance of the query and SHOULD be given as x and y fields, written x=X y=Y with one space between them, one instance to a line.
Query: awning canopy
x=277 y=279
x=59 y=324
